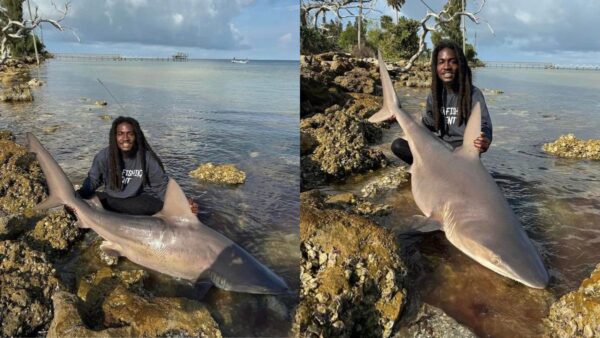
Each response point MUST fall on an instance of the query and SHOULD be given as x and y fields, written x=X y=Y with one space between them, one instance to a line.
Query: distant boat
x=234 y=60
x=180 y=56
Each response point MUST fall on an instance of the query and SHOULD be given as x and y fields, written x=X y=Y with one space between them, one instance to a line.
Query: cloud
x=203 y=24
x=285 y=39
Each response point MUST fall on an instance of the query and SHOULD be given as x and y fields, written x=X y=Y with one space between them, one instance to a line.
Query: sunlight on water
x=191 y=113
x=557 y=200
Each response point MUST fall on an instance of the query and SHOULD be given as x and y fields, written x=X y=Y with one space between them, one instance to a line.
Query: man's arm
x=95 y=177
x=428 y=120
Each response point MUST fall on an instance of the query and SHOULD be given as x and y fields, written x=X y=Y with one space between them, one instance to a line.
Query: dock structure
x=539 y=65
x=117 y=57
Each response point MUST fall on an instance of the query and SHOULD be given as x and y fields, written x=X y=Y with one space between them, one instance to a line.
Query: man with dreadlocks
x=450 y=102
x=134 y=177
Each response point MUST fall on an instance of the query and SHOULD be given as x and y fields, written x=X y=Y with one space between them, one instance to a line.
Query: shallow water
x=557 y=200
x=192 y=113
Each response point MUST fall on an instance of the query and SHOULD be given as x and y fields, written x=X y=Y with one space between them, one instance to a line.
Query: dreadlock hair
x=465 y=85
x=115 y=158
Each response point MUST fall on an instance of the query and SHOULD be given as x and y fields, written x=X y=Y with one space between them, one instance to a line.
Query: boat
x=234 y=60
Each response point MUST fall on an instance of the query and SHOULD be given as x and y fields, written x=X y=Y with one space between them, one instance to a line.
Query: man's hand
x=193 y=206
x=482 y=143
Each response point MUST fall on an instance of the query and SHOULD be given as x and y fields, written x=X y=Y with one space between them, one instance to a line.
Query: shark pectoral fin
x=176 y=204
x=423 y=224
x=382 y=115
x=111 y=249
x=472 y=131
x=52 y=201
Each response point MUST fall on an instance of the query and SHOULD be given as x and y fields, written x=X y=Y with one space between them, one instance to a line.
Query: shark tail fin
x=472 y=131
x=176 y=204
x=61 y=189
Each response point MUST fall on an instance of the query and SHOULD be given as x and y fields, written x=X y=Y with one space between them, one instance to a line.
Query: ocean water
x=191 y=113
x=557 y=200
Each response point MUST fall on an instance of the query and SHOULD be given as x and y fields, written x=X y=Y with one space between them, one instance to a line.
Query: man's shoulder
x=476 y=91
x=102 y=154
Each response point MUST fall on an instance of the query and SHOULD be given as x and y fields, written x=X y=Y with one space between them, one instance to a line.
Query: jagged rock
x=307 y=143
x=26 y=284
x=357 y=80
x=351 y=275
x=35 y=83
x=51 y=129
x=577 y=314
x=106 y=117
x=68 y=323
x=224 y=173
x=56 y=232
x=343 y=145
x=100 y=103
x=432 y=322
x=17 y=93
x=22 y=185
x=7 y=135
x=363 y=105
x=390 y=181
x=570 y=147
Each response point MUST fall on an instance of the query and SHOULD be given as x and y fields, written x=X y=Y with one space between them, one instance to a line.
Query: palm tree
x=396 y=5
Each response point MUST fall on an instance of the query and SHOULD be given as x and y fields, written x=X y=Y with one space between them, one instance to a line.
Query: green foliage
x=312 y=41
x=450 y=30
x=348 y=38
x=396 y=41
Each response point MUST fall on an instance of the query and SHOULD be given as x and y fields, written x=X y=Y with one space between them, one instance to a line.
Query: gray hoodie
x=455 y=132
x=132 y=175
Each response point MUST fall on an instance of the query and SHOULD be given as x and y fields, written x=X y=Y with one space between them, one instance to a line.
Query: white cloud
x=524 y=17
x=177 y=18
x=285 y=39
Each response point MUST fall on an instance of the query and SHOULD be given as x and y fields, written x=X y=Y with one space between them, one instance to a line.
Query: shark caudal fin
x=61 y=189
x=176 y=204
x=472 y=131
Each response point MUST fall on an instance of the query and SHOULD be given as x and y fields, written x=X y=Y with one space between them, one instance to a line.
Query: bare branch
x=440 y=17
x=22 y=29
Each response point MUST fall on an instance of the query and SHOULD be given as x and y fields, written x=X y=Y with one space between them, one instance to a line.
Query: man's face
x=447 y=66
x=125 y=137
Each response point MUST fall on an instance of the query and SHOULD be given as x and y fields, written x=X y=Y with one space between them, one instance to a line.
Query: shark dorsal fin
x=472 y=131
x=176 y=204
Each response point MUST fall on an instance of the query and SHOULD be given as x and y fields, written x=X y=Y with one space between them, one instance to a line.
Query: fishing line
x=111 y=95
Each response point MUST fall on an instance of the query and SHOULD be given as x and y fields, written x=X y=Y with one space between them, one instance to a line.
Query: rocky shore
x=15 y=80
x=357 y=278
x=37 y=298
x=568 y=146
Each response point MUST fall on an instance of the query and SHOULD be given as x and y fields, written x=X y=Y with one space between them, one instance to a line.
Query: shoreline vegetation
x=351 y=265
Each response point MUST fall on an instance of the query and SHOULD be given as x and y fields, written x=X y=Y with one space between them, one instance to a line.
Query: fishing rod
x=111 y=95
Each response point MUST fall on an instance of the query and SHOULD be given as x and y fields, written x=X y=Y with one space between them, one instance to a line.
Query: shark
x=458 y=195
x=173 y=241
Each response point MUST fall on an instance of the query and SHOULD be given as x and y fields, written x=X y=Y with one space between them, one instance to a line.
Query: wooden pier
x=117 y=58
x=538 y=65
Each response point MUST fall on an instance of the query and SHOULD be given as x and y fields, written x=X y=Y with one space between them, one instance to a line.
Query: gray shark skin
x=173 y=241
x=455 y=191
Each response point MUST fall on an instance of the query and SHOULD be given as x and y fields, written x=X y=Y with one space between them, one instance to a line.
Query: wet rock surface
x=17 y=93
x=224 y=173
x=26 y=284
x=577 y=314
x=571 y=147
x=431 y=322
x=351 y=274
x=34 y=246
x=342 y=147
x=392 y=180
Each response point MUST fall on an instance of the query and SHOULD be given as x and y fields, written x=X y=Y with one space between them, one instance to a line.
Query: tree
x=396 y=5
x=15 y=29
x=440 y=18
x=450 y=29
x=396 y=40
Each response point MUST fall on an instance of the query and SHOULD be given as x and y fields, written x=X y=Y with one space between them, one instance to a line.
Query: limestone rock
x=577 y=314
x=17 y=93
x=224 y=173
x=357 y=80
x=35 y=83
x=390 y=181
x=26 y=285
x=351 y=275
x=432 y=322
x=570 y=147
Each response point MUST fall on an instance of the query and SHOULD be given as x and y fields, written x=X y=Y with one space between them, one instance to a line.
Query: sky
x=207 y=29
x=554 y=31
